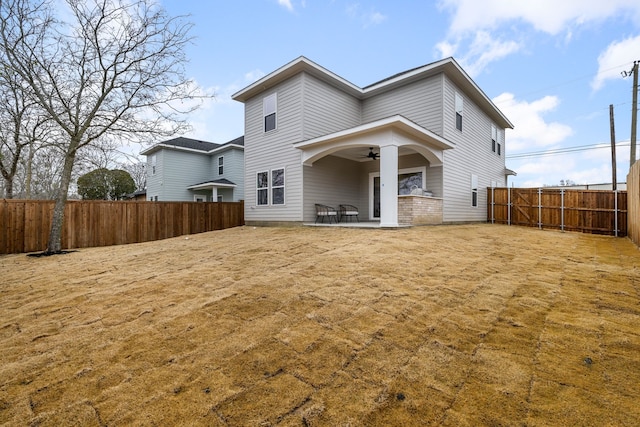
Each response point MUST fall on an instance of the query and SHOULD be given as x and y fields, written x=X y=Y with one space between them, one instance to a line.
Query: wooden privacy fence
x=25 y=224
x=633 y=194
x=588 y=211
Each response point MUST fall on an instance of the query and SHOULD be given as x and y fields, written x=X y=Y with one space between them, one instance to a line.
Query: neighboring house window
x=220 y=165
x=459 y=108
x=269 y=104
x=499 y=143
x=277 y=186
x=474 y=190
x=494 y=138
x=262 y=196
x=155 y=198
x=153 y=164
x=219 y=198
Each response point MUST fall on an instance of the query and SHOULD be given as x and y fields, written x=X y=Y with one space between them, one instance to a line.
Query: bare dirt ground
x=451 y=325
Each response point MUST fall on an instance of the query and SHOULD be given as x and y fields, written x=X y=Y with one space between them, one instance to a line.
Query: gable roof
x=448 y=66
x=194 y=145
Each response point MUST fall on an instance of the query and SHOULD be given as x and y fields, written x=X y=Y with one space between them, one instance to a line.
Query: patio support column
x=388 y=185
x=214 y=194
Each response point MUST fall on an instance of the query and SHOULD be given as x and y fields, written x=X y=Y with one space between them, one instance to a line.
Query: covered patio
x=391 y=169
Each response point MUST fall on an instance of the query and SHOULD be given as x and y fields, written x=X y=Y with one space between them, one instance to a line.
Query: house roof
x=188 y=144
x=212 y=183
x=449 y=66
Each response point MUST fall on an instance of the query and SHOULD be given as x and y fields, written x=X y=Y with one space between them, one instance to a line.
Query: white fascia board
x=396 y=121
x=208 y=185
x=161 y=146
x=219 y=149
x=290 y=69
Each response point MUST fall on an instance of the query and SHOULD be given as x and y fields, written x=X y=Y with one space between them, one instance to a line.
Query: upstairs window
x=501 y=136
x=494 y=138
x=153 y=164
x=269 y=105
x=474 y=191
x=459 y=108
x=220 y=165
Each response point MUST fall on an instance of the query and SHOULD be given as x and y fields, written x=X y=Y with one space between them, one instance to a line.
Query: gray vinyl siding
x=233 y=170
x=333 y=181
x=306 y=108
x=472 y=155
x=327 y=109
x=273 y=150
x=420 y=102
x=171 y=180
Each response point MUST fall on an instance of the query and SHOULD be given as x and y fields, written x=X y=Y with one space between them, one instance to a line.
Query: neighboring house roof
x=449 y=66
x=212 y=183
x=194 y=145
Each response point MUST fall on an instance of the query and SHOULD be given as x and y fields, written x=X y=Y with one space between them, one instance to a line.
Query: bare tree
x=114 y=69
x=21 y=127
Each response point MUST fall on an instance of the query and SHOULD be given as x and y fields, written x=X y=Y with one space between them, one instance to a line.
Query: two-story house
x=425 y=137
x=184 y=169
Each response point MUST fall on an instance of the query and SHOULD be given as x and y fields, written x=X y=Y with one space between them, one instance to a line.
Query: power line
x=565 y=150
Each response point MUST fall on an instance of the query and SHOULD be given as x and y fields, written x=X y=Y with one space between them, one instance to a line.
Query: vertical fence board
x=633 y=203
x=25 y=224
x=587 y=211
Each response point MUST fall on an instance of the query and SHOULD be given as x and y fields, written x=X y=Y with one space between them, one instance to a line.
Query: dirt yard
x=453 y=325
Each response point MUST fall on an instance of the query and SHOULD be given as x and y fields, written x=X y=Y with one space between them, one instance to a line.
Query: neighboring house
x=184 y=169
x=309 y=132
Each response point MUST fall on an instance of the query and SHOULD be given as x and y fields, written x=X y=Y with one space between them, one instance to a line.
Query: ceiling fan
x=372 y=155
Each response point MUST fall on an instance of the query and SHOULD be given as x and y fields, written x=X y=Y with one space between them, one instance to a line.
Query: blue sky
x=552 y=66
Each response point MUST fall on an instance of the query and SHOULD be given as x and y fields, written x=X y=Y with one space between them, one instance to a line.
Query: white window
x=270 y=188
x=153 y=164
x=262 y=186
x=220 y=165
x=494 y=138
x=474 y=190
x=277 y=186
x=269 y=105
x=459 y=108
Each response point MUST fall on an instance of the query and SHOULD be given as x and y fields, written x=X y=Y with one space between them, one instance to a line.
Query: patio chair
x=324 y=211
x=348 y=211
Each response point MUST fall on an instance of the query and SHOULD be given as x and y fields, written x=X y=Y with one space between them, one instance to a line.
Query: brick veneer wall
x=419 y=210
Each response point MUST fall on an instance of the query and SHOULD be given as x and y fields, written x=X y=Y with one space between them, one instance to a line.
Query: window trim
x=221 y=165
x=268 y=112
x=459 y=112
x=474 y=191
x=153 y=164
x=259 y=189
x=494 y=138
x=275 y=187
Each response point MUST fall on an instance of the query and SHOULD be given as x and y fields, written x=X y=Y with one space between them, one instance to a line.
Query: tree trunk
x=8 y=188
x=55 y=234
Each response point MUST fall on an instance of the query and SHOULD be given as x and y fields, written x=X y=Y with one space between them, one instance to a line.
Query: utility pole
x=634 y=114
x=614 y=173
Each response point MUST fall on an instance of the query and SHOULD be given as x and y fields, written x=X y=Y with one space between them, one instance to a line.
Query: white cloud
x=618 y=57
x=549 y=16
x=286 y=4
x=483 y=50
x=368 y=19
x=531 y=131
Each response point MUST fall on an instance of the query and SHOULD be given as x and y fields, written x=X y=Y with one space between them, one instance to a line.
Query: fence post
x=615 y=211
x=562 y=210
x=493 y=202
x=508 y=205
x=540 y=208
